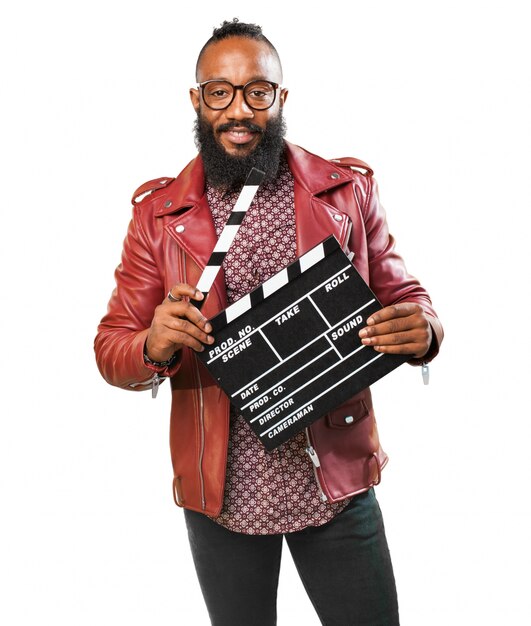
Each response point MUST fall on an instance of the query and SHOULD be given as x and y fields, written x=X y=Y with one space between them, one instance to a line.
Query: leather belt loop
x=379 y=478
x=177 y=491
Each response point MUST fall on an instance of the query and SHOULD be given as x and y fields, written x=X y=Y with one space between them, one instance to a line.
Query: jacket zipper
x=315 y=463
x=202 y=435
x=201 y=407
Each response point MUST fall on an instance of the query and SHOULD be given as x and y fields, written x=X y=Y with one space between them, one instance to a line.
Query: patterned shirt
x=265 y=492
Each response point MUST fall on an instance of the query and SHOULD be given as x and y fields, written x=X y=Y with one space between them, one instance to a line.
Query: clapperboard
x=289 y=351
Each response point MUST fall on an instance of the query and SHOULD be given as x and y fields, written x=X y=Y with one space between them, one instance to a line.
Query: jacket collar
x=315 y=174
x=185 y=191
x=312 y=173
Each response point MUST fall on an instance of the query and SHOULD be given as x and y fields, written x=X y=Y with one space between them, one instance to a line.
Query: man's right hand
x=178 y=324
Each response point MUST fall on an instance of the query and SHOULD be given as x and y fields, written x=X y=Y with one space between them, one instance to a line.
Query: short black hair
x=235 y=28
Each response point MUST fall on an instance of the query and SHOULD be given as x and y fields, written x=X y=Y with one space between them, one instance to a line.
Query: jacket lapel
x=315 y=219
x=189 y=222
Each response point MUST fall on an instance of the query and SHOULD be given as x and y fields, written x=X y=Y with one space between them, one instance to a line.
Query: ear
x=282 y=96
x=194 y=97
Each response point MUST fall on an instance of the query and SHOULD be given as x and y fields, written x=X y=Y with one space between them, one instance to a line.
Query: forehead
x=239 y=60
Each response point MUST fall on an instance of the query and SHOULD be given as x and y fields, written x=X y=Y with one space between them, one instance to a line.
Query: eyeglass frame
x=201 y=87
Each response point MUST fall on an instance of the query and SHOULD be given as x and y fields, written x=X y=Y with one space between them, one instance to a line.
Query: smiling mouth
x=240 y=136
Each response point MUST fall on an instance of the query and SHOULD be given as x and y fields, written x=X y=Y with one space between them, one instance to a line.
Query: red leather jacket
x=169 y=240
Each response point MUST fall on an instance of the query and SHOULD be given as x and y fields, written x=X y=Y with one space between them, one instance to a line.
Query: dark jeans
x=344 y=565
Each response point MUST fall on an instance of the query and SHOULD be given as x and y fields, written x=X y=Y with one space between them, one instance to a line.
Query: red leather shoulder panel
x=352 y=162
x=149 y=187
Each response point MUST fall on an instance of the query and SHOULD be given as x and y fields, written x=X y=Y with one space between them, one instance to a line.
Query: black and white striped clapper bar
x=288 y=353
x=229 y=232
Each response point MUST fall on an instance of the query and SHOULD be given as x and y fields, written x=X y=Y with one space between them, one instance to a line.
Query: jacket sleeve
x=119 y=343
x=389 y=278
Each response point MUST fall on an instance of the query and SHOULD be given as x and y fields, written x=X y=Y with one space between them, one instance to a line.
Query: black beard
x=229 y=172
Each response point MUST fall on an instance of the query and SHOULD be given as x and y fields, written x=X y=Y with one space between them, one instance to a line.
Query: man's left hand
x=398 y=329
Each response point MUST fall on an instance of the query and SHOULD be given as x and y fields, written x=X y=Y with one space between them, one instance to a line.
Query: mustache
x=230 y=125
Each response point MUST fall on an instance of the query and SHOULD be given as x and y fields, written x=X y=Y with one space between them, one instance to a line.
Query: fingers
x=181 y=290
x=178 y=308
x=403 y=309
x=177 y=323
x=176 y=312
x=399 y=329
x=381 y=323
x=394 y=344
x=192 y=331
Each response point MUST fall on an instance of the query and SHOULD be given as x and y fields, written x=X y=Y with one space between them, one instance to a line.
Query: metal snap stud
x=168 y=204
x=179 y=228
x=338 y=217
x=335 y=175
x=349 y=419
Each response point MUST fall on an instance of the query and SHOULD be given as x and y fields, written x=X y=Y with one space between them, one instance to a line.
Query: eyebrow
x=226 y=80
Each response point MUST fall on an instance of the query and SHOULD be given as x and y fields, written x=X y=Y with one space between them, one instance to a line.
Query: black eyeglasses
x=258 y=94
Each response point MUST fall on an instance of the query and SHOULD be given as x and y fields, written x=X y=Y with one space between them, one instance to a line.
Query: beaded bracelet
x=167 y=363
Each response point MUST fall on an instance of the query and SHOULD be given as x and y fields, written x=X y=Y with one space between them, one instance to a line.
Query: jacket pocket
x=347 y=414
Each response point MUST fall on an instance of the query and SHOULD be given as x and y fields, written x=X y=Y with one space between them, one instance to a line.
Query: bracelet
x=167 y=363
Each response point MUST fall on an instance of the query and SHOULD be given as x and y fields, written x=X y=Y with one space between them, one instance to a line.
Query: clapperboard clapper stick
x=288 y=353
x=229 y=232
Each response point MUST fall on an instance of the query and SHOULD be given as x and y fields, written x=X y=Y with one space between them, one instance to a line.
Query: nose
x=238 y=108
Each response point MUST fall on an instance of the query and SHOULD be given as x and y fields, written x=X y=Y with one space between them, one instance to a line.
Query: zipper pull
x=426 y=373
x=313 y=456
x=155 y=385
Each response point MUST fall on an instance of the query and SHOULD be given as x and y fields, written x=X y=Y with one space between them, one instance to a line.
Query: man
x=316 y=489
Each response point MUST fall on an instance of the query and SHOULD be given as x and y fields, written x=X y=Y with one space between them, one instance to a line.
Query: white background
x=437 y=98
